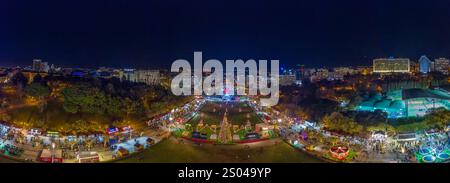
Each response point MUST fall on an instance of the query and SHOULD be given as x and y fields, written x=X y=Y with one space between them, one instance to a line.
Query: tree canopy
x=438 y=118
x=37 y=90
x=338 y=122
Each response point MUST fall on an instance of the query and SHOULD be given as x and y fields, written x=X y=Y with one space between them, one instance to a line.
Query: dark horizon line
x=286 y=66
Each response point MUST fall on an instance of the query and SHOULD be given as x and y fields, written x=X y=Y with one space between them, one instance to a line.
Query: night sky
x=144 y=34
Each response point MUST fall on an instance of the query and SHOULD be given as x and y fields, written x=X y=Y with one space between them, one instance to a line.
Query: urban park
x=202 y=129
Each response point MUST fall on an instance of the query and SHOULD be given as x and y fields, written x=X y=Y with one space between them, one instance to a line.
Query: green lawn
x=212 y=114
x=7 y=160
x=242 y=133
x=207 y=130
x=173 y=150
x=236 y=116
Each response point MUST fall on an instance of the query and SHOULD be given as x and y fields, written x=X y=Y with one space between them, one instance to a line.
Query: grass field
x=212 y=114
x=7 y=160
x=174 y=150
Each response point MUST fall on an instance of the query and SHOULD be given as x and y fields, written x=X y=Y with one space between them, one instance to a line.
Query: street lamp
x=53 y=152
x=129 y=131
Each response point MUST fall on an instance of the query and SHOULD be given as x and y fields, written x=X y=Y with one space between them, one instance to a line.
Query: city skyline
x=152 y=35
x=283 y=67
x=205 y=91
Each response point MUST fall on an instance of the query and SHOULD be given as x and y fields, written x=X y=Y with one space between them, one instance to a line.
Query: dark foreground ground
x=175 y=150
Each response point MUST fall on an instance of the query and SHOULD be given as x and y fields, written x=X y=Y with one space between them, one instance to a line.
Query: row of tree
x=438 y=118
x=37 y=90
x=339 y=123
x=111 y=97
x=83 y=98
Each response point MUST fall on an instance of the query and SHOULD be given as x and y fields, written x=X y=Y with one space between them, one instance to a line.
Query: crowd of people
x=14 y=140
x=8 y=134
x=11 y=150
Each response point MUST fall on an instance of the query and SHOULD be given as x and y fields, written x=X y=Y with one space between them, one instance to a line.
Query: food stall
x=51 y=156
x=88 y=157
x=150 y=141
x=138 y=147
x=121 y=152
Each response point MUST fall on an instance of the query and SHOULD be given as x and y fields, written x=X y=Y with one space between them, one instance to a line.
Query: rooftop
x=424 y=93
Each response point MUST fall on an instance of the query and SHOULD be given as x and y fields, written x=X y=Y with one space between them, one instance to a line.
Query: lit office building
x=391 y=65
x=319 y=74
x=3 y=77
x=415 y=67
x=364 y=70
x=286 y=80
x=340 y=72
x=40 y=66
x=128 y=75
x=149 y=77
x=442 y=65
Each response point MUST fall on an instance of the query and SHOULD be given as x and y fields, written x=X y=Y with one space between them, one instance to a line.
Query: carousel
x=339 y=152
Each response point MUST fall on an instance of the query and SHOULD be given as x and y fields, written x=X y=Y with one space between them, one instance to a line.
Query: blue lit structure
x=406 y=103
x=424 y=65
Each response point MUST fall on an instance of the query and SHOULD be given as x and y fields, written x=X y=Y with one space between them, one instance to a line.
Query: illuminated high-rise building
x=128 y=75
x=149 y=77
x=40 y=66
x=442 y=65
x=391 y=65
x=299 y=74
x=424 y=65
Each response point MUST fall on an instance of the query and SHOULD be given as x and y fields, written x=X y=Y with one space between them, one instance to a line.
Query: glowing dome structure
x=411 y=102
